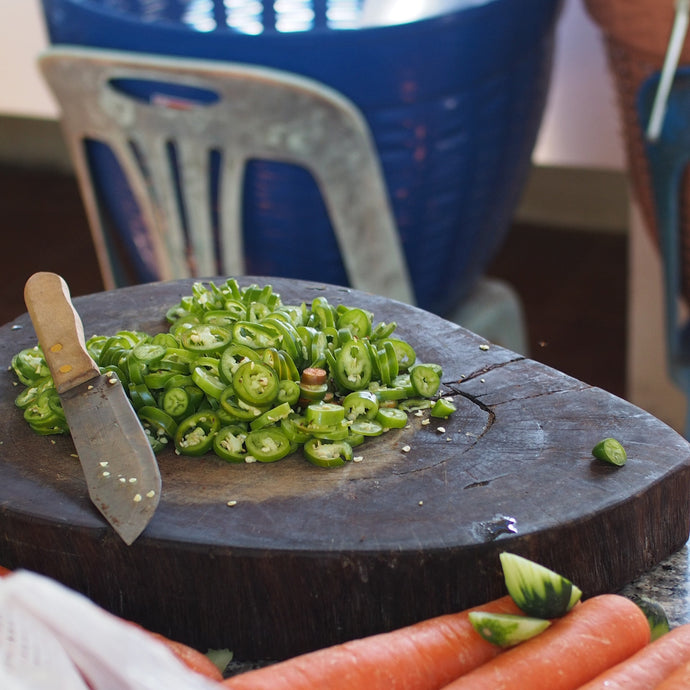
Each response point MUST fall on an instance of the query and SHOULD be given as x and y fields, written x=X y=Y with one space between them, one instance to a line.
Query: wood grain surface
x=309 y=556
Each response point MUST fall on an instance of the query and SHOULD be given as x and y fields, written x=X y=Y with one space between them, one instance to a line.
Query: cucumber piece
x=506 y=629
x=611 y=451
x=538 y=591
x=656 y=616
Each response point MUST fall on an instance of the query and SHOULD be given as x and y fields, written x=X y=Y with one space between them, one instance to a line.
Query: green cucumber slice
x=506 y=629
x=536 y=590
x=656 y=616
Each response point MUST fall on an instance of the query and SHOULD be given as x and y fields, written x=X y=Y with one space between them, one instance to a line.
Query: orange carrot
x=4 y=571
x=191 y=658
x=648 y=667
x=678 y=680
x=592 y=637
x=422 y=656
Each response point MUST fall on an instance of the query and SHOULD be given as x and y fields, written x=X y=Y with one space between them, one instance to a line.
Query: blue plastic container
x=454 y=103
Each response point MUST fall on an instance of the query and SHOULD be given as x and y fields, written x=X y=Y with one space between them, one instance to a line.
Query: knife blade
x=120 y=468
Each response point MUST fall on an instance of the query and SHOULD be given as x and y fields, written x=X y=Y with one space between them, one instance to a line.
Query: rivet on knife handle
x=59 y=330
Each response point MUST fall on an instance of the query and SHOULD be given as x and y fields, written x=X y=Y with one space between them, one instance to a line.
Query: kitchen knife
x=120 y=467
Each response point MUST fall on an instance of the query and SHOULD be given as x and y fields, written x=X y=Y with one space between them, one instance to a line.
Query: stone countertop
x=668 y=584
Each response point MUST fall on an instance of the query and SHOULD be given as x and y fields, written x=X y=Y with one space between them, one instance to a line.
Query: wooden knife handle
x=59 y=329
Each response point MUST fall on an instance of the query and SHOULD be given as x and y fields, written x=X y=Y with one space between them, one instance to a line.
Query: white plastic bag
x=45 y=626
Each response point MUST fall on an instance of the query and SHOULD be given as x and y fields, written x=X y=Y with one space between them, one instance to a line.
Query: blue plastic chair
x=668 y=157
x=454 y=105
x=185 y=148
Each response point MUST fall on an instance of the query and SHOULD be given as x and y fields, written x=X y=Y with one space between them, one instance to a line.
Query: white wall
x=22 y=37
x=580 y=126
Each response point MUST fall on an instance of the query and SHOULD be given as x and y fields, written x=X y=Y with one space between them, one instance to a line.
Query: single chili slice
x=237 y=408
x=206 y=377
x=327 y=453
x=272 y=416
x=205 y=338
x=228 y=443
x=256 y=383
x=425 y=380
x=231 y=358
x=268 y=445
x=404 y=352
x=353 y=366
x=194 y=435
x=140 y=395
x=289 y=392
x=357 y=321
x=442 y=408
x=177 y=402
x=157 y=423
x=360 y=404
x=255 y=335
x=391 y=418
x=366 y=427
x=324 y=414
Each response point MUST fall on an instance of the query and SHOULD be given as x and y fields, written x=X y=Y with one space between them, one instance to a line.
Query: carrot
x=648 y=667
x=591 y=638
x=678 y=680
x=4 y=571
x=421 y=656
x=191 y=658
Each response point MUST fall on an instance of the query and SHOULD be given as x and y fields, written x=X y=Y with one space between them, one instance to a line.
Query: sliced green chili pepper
x=140 y=395
x=232 y=357
x=255 y=383
x=29 y=365
x=238 y=356
x=357 y=321
x=443 y=408
x=294 y=427
x=324 y=414
x=268 y=445
x=289 y=392
x=404 y=353
x=205 y=376
x=327 y=454
x=330 y=432
x=205 y=338
x=353 y=366
x=194 y=435
x=177 y=402
x=425 y=380
x=275 y=414
x=228 y=443
x=236 y=407
x=383 y=330
x=360 y=404
x=366 y=427
x=159 y=425
x=255 y=335
x=44 y=415
x=391 y=418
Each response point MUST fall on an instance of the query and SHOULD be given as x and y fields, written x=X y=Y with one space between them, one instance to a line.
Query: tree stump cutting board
x=308 y=556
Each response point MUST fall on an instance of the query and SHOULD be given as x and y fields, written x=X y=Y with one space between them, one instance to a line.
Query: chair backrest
x=228 y=113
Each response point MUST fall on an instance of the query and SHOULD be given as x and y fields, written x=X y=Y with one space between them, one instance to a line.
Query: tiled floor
x=572 y=283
